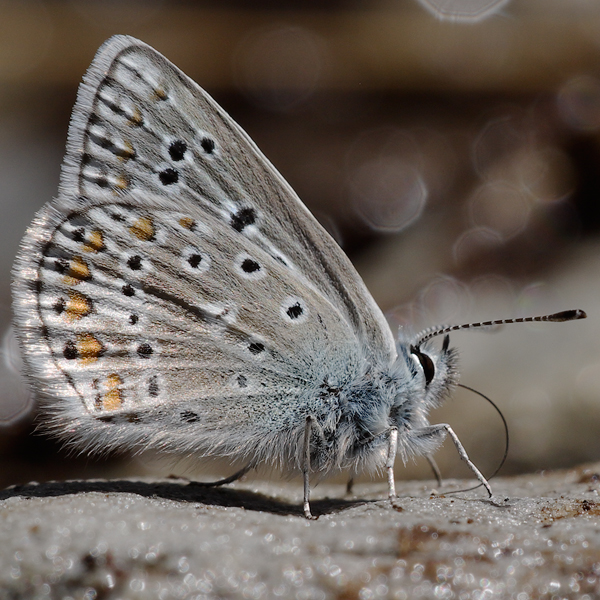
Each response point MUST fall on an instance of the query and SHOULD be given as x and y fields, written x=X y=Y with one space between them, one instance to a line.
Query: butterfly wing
x=177 y=278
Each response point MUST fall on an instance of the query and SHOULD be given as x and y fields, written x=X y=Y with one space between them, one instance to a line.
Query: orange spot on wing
x=89 y=349
x=113 y=398
x=143 y=229
x=94 y=241
x=187 y=222
x=78 y=271
x=78 y=306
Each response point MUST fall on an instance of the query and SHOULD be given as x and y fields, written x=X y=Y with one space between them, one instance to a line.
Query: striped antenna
x=559 y=317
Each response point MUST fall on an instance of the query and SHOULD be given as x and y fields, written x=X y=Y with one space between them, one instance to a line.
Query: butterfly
x=178 y=296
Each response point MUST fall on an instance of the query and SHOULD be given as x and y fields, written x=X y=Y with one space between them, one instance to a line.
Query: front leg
x=439 y=431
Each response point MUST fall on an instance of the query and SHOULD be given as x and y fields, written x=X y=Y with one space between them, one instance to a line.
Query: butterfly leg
x=391 y=458
x=434 y=467
x=306 y=466
x=441 y=430
x=349 y=486
x=224 y=481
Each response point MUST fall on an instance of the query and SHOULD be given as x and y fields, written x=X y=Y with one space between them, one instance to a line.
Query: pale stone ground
x=162 y=539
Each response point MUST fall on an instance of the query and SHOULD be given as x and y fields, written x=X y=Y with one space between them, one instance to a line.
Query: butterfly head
x=431 y=373
x=438 y=369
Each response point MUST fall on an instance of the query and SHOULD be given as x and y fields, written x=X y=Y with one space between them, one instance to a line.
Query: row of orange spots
x=87 y=348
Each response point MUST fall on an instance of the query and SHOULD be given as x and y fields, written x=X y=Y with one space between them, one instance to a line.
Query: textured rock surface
x=165 y=539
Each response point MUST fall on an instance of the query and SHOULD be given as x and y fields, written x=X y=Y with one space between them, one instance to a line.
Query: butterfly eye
x=426 y=364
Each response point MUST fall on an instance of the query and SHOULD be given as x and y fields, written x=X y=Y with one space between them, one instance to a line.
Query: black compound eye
x=426 y=364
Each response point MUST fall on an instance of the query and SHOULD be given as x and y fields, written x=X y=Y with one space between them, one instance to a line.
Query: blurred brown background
x=453 y=153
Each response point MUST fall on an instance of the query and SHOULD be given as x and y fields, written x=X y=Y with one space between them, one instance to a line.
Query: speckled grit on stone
x=165 y=539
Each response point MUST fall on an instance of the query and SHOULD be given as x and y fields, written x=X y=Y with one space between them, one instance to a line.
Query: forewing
x=224 y=171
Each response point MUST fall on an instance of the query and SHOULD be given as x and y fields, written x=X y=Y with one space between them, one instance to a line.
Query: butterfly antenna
x=559 y=317
x=506 y=440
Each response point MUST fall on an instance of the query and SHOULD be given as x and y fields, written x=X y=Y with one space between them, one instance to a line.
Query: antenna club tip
x=568 y=315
